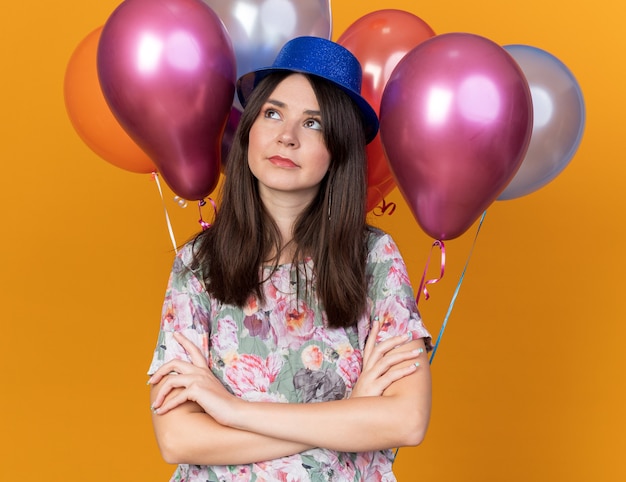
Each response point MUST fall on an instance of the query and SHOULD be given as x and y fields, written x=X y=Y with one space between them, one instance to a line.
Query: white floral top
x=283 y=352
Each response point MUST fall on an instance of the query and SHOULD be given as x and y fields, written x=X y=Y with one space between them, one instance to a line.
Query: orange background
x=529 y=377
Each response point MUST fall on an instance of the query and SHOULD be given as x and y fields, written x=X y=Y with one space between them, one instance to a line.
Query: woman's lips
x=282 y=162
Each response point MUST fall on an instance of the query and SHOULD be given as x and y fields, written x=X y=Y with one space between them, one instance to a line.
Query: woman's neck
x=284 y=208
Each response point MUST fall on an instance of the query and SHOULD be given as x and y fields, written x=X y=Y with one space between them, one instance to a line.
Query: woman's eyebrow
x=282 y=105
x=277 y=103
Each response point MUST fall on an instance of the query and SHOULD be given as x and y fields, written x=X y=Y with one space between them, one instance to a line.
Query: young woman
x=290 y=345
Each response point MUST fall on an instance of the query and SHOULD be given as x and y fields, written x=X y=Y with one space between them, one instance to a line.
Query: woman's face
x=286 y=151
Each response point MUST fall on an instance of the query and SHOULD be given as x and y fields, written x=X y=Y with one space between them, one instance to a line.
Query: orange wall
x=529 y=378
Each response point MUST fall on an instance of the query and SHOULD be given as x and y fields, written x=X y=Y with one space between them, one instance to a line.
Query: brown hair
x=331 y=230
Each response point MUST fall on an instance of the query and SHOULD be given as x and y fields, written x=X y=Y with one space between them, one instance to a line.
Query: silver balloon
x=259 y=28
x=559 y=120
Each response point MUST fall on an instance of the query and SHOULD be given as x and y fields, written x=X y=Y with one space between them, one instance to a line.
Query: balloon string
x=202 y=203
x=456 y=291
x=155 y=176
x=423 y=284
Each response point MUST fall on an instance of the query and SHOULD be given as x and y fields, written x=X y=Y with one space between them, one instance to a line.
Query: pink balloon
x=455 y=121
x=229 y=134
x=167 y=71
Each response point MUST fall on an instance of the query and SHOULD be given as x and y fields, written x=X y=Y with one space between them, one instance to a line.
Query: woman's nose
x=288 y=136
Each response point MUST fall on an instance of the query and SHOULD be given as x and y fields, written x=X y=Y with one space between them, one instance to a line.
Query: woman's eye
x=271 y=114
x=313 y=124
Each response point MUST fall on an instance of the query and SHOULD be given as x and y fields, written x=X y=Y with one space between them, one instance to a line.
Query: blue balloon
x=559 y=120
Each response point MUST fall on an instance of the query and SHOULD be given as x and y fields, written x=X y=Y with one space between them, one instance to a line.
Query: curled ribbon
x=424 y=284
x=201 y=204
x=383 y=207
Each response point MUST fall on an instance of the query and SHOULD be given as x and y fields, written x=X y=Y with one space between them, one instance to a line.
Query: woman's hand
x=193 y=381
x=383 y=363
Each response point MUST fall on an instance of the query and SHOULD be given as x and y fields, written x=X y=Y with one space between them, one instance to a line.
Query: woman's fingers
x=180 y=366
x=172 y=367
x=387 y=362
x=178 y=399
x=167 y=385
x=377 y=351
x=394 y=342
x=370 y=344
x=196 y=356
x=395 y=374
x=390 y=361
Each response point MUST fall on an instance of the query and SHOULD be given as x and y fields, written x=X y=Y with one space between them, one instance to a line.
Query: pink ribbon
x=424 y=284
x=202 y=203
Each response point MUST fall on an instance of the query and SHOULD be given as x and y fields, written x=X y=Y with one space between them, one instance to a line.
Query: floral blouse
x=282 y=351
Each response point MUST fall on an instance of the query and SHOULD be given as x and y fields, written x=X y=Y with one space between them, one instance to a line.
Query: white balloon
x=558 y=120
x=259 y=28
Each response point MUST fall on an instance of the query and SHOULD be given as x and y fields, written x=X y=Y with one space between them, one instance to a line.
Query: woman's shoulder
x=187 y=257
x=187 y=251
x=379 y=241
